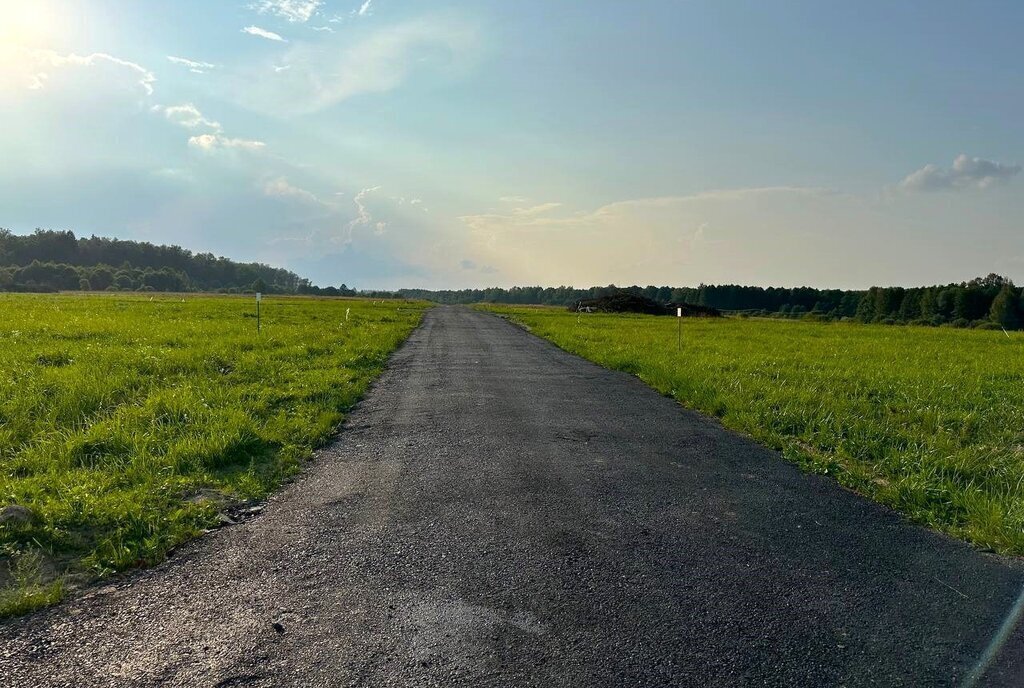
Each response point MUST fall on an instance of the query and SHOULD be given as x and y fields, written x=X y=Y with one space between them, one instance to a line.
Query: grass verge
x=126 y=422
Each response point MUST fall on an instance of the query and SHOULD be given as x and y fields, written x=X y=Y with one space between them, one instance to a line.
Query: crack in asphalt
x=499 y=512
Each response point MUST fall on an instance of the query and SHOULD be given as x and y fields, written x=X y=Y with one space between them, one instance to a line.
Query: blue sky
x=451 y=144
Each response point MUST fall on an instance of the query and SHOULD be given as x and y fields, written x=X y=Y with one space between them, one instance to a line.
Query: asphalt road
x=499 y=512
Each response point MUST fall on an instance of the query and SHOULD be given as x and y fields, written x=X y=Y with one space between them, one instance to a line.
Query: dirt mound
x=621 y=302
x=625 y=302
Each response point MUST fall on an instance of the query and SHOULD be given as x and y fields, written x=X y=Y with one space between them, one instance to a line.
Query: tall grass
x=119 y=413
x=929 y=421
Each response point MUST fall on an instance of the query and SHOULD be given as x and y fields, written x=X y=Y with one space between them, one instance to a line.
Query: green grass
x=119 y=414
x=929 y=421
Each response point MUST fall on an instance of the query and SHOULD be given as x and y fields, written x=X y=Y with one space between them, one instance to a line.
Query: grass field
x=929 y=421
x=127 y=423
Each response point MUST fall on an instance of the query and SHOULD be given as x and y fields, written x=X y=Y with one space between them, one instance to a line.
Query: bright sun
x=31 y=23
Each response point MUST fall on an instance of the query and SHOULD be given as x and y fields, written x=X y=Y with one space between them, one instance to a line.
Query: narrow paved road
x=498 y=512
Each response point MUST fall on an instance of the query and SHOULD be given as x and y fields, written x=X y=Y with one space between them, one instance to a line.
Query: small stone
x=15 y=514
x=278 y=628
x=225 y=520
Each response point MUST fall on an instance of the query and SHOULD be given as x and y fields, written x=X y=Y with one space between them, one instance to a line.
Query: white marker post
x=679 y=336
x=259 y=297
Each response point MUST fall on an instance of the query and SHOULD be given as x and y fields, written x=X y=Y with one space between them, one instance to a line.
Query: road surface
x=499 y=512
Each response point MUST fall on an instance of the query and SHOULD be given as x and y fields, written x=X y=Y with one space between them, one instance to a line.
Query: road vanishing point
x=497 y=512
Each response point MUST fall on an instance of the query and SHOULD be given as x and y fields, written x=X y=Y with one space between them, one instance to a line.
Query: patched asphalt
x=498 y=512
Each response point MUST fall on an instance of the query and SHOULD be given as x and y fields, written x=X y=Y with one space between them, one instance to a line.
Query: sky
x=474 y=143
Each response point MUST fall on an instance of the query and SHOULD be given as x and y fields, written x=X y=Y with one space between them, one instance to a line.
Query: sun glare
x=32 y=24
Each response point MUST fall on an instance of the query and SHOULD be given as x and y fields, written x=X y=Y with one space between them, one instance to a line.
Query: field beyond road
x=128 y=423
x=929 y=421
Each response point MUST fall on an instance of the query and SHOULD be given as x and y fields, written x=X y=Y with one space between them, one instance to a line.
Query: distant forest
x=58 y=261
x=990 y=302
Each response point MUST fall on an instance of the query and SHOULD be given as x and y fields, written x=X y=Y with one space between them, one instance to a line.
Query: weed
x=27 y=589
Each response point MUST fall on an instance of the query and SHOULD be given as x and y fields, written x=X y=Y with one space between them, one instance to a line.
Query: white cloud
x=146 y=77
x=212 y=142
x=966 y=173
x=282 y=188
x=758 y=234
x=321 y=76
x=188 y=116
x=365 y=236
x=540 y=216
x=363 y=216
x=263 y=33
x=193 y=65
x=536 y=210
x=323 y=28
x=292 y=10
x=364 y=9
x=471 y=266
x=33 y=69
x=781 y=236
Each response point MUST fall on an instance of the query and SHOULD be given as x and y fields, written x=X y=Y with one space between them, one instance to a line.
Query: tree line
x=48 y=260
x=991 y=301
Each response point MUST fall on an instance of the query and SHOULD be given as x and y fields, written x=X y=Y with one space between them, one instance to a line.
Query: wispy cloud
x=662 y=239
x=188 y=116
x=536 y=209
x=38 y=65
x=193 y=65
x=323 y=28
x=213 y=142
x=966 y=173
x=282 y=188
x=363 y=216
x=292 y=10
x=471 y=266
x=263 y=33
x=364 y=9
x=321 y=76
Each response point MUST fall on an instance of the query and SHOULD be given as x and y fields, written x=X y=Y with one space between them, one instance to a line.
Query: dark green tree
x=929 y=306
x=910 y=309
x=961 y=304
x=944 y=304
x=123 y=280
x=866 y=309
x=1005 y=308
x=101 y=277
